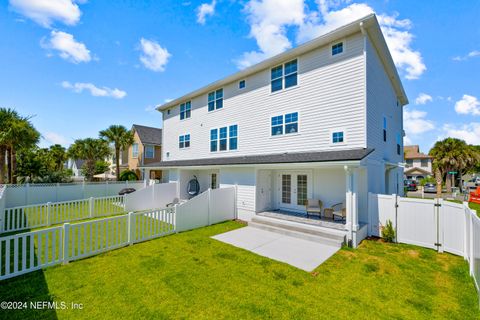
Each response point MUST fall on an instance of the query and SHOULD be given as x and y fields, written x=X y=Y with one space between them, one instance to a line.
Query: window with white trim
x=135 y=150
x=184 y=141
x=224 y=138
x=284 y=76
x=399 y=144
x=185 y=110
x=337 y=48
x=385 y=129
x=338 y=137
x=284 y=124
x=215 y=100
x=149 y=152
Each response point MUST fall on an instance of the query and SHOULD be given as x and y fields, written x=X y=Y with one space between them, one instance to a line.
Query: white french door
x=295 y=189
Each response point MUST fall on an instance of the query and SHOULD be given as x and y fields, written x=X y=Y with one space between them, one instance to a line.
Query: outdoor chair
x=314 y=207
x=339 y=210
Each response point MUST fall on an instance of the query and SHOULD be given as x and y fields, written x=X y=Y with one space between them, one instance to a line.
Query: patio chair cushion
x=314 y=206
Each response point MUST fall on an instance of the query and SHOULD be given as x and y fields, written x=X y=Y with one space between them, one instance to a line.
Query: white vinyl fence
x=41 y=215
x=28 y=194
x=154 y=196
x=436 y=224
x=30 y=251
x=209 y=207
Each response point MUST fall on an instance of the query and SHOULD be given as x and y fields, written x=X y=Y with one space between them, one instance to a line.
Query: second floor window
x=184 y=141
x=185 y=110
x=149 y=152
x=399 y=144
x=215 y=100
x=337 y=137
x=135 y=150
x=223 y=139
x=409 y=163
x=424 y=163
x=284 y=76
x=384 y=128
x=285 y=124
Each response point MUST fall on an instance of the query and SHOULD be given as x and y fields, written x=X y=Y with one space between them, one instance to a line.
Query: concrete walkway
x=300 y=253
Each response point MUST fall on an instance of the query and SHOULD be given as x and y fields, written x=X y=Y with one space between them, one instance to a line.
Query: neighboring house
x=321 y=121
x=76 y=167
x=417 y=164
x=145 y=150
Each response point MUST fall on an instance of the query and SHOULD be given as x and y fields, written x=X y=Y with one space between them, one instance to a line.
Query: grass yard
x=190 y=275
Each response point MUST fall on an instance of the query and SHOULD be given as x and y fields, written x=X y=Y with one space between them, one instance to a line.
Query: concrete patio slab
x=303 y=254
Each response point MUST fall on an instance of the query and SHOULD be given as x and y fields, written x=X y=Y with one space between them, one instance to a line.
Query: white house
x=320 y=121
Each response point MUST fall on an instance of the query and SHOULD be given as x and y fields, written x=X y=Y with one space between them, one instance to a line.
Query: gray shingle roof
x=149 y=135
x=298 y=157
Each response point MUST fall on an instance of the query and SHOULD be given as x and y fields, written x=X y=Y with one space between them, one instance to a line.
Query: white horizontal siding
x=382 y=101
x=330 y=95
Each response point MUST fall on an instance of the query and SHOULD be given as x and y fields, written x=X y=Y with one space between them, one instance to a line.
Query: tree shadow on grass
x=25 y=296
x=30 y=288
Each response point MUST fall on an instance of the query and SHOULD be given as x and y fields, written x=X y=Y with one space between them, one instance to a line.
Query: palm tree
x=91 y=150
x=121 y=138
x=59 y=156
x=450 y=155
x=16 y=133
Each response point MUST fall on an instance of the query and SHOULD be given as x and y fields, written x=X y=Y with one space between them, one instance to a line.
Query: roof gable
x=148 y=135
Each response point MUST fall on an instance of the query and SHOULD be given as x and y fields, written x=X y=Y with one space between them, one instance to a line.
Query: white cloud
x=468 y=105
x=270 y=19
x=423 y=98
x=153 y=57
x=55 y=138
x=95 y=91
x=204 y=10
x=415 y=123
x=469 y=132
x=68 y=48
x=471 y=54
x=45 y=12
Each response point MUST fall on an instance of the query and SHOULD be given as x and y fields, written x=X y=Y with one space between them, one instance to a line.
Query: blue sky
x=79 y=66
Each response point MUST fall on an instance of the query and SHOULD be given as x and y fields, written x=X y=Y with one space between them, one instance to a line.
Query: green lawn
x=189 y=275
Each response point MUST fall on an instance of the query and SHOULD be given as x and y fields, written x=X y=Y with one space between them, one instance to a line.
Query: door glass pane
x=301 y=189
x=286 y=188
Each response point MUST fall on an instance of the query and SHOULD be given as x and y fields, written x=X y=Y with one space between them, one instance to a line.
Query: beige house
x=146 y=149
x=418 y=165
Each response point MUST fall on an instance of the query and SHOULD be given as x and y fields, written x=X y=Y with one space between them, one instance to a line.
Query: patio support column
x=351 y=203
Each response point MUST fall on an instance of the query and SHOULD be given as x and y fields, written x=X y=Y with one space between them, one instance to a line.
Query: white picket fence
x=47 y=214
x=28 y=194
x=30 y=251
x=437 y=224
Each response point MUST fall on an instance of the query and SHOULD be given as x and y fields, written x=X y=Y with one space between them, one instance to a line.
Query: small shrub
x=128 y=175
x=388 y=233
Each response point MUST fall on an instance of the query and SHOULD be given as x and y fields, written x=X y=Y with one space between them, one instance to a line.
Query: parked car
x=126 y=191
x=430 y=188
x=411 y=185
x=477 y=181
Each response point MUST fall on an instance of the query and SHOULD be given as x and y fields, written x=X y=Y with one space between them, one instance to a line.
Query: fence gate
x=418 y=222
